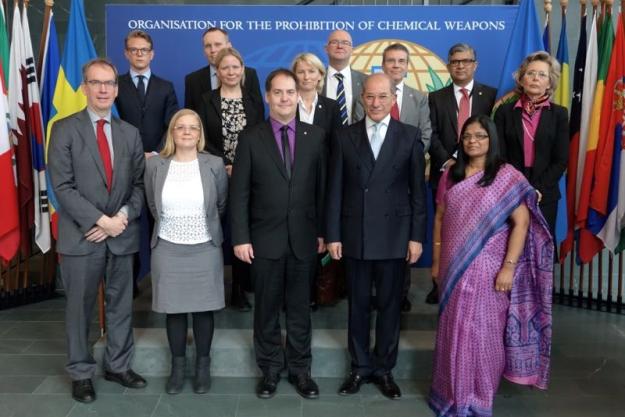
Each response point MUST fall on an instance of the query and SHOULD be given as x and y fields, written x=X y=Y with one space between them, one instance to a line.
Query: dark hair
x=394 y=47
x=461 y=47
x=273 y=74
x=493 y=156
x=214 y=29
x=138 y=34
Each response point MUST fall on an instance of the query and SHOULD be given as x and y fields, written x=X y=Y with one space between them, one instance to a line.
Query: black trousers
x=282 y=282
x=388 y=278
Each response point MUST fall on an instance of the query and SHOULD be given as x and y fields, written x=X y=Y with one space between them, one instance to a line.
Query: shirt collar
x=95 y=117
x=276 y=125
x=314 y=103
x=369 y=123
x=399 y=88
x=468 y=87
x=347 y=71
x=147 y=74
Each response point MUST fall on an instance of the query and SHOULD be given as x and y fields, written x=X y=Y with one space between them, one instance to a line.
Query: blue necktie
x=376 y=140
x=141 y=88
x=340 y=98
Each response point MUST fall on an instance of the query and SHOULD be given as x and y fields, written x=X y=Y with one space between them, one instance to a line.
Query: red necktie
x=464 y=109
x=395 y=111
x=105 y=154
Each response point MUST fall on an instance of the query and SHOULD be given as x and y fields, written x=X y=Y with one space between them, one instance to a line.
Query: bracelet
x=437 y=243
x=510 y=261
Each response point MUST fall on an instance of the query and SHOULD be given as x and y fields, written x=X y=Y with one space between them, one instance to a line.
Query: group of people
x=337 y=166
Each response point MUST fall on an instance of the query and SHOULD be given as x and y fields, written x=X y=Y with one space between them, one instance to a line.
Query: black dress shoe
x=82 y=390
x=129 y=379
x=305 y=386
x=352 y=384
x=432 y=297
x=387 y=386
x=406 y=305
x=267 y=386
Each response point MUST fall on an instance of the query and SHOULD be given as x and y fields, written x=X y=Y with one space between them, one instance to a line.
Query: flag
x=608 y=196
x=589 y=245
x=574 y=128
x=49 y=74
x=19 y=133
x=4 y=47
x=35 y=132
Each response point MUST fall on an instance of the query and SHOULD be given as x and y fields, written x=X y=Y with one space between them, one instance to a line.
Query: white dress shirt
x=347 y=83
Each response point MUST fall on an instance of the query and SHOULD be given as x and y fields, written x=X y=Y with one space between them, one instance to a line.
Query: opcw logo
x=426 y=70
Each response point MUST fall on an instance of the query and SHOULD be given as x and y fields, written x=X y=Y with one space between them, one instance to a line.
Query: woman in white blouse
x=186 y=190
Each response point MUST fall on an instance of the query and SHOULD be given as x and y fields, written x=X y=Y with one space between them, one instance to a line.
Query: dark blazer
x=214 y=183
x=266 y=209
x=444 y=118
x=551 y=146
x=374 y=207
x=152 y=118
x=211 y=118
x=79 y=182
x=327 y=116
x=199 y=82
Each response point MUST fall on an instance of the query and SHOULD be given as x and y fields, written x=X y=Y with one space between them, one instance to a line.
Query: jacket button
x=366 y=190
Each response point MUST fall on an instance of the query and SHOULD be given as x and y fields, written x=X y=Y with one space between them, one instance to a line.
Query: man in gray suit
x=342 y=83
x=411 y=108
x=96 y=166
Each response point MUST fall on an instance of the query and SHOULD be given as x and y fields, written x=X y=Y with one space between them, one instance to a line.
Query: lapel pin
x=319 y=105
x=479 y=93
x=305 y=132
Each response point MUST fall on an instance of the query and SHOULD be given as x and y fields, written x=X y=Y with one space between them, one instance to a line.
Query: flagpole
x=44 y=37
x=548 y=7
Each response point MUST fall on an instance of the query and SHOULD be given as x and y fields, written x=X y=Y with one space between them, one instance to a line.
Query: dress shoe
x=406 y=305
x=432 y=297
x=82 y=390
x=267 y=386
x=175 y=382
x=305 y=386
x=352 y=384
x=129 y=379
x=241 y=303
x=387 y=386
x=202 y=380
x=314 y=306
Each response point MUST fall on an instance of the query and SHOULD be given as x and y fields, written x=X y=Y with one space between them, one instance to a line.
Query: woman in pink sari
x=493 y=253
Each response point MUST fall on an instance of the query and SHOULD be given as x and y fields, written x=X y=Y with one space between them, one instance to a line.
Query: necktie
x=105 y=153
x=341 y=99
x=141 y=88
x=214 y=82
x=286 y=151
x=395 y=111
x=463 y=109
x=376 y=140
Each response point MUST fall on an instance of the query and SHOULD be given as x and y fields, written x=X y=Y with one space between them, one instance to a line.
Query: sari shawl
x=484 y=334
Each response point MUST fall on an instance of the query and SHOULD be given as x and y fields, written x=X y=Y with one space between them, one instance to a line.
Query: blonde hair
x=541 y=56
x=230 y=52
x=314 y=61
x=170 y=147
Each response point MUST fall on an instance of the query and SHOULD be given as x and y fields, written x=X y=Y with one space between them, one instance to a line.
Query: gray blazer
x=358 y=83
x=416 y=111
x=79 y=183
x=214 y=184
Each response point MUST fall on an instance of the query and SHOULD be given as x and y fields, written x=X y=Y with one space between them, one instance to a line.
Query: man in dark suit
x=144 y=100
x=376 y=221
x=96 y=167
x=449 y=108
x=276 y=200
x=342 y=79
x=205 y=79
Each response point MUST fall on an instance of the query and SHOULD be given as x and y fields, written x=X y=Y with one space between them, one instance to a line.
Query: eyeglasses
x=540 y=74
x=191 y=128
x=336 y=42
x=135 y=51
x=100 y=84
x=477 y=136
x=464 y=62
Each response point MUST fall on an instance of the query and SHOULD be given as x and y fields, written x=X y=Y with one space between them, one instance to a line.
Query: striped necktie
x=464 y=109
x=341 y=99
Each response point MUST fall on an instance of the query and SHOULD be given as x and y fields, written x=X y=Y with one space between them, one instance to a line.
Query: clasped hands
x=107 y=227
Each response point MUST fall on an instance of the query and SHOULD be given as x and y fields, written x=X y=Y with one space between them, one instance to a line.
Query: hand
x=96 y=234
x=148 y=155
x=113 y=226
x=229 y=170
x=244 y=252
x=448 y=163
x=504 y=280
x=336 y=250
x=415 y=249
x=540 y=196
x=321 y=246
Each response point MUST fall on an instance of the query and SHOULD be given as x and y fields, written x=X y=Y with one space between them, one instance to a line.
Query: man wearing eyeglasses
x=375 y=222
x=449 y=108
x=96 y=167
x=342 y=83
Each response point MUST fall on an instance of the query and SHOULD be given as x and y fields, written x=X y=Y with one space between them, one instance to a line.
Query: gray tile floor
x=588 y=373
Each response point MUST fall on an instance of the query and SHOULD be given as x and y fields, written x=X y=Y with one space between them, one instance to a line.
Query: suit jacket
x=374 y=207
x=327 y=116
x=153 y=116
x=199 y=82
x=358 y=82
x=444 y=117
x=266 y=209
x=79 y=183
x=551 y=144
x=214 y=184
x=211 y=118
x=415 y=111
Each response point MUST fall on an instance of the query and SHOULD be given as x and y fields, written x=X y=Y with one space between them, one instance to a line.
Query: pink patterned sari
x=484 y=334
